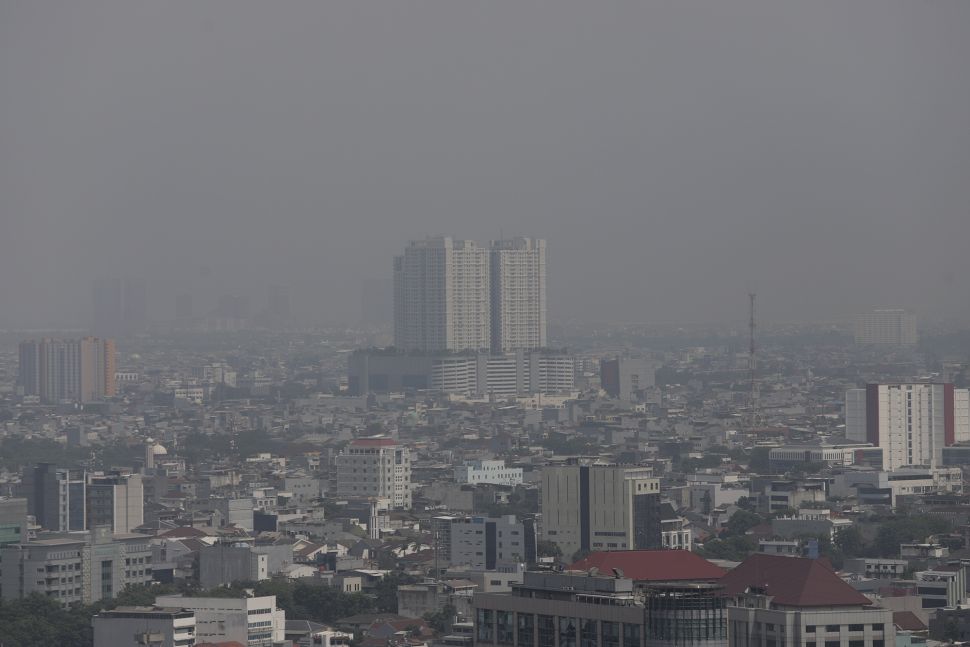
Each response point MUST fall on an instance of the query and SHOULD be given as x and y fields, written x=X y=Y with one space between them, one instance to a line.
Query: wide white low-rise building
x=492 y=472
x=254 y=622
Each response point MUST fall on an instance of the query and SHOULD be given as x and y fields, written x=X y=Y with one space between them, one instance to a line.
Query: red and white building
x=912 y=422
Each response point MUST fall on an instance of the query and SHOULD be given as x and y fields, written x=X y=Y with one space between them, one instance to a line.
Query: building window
x=526 y=635
x=505 y=629
x=547 y=631
x=588 y=636
x=631 y=635
x=611 y=634
x=483 y=625
x=567 y=632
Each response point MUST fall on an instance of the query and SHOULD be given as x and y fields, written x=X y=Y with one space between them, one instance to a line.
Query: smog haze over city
x=676 y=155
x=484 y=323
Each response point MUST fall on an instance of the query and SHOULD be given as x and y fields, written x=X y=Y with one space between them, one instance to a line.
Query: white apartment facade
x=911 y=422
x=484 y=471
x=454 y=295
x=518 y=300
x=254 y=622
x=441 y=296
x=375 y=468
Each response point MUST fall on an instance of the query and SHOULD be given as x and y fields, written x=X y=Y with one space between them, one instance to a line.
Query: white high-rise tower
x=518 y=299
x=441 y=296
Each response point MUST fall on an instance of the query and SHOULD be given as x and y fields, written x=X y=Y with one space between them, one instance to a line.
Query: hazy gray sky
x=675 y=154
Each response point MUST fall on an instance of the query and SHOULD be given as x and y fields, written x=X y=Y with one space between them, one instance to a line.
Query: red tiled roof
x=793 y=582
x=652 y=565
x=908 y=621
x=373 y=442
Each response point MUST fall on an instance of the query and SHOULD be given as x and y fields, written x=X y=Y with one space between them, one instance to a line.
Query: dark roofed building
x=644 y=566
x=793 y=602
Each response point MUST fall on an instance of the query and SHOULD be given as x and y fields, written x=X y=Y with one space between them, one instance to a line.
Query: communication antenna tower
x=753 y=417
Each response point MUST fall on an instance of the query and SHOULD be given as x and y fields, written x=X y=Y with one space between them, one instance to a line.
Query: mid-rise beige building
x=375 y=468
x=600 y=507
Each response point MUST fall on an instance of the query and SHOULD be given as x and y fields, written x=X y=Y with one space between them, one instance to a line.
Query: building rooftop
x=374 y=442
x=652 y=565
x=792 y=582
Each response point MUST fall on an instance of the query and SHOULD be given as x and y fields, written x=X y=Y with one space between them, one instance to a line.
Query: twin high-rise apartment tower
x=454 y=295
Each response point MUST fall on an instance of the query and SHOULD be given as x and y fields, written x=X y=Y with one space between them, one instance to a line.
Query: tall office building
x=912 y=423
x=116 y=500
x=56 y=496
x=68 y=370
x=453 y=295
x=441 y=296
x=28 y=377
x=518 y=294
x=894 y=327
x=600 y=507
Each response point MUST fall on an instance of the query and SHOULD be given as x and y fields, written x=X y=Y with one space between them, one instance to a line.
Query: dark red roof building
x=792 y=582
x=652 y=565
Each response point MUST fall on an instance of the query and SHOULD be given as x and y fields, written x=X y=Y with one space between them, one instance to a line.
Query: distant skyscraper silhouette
x=120 y=306
x=889 y=327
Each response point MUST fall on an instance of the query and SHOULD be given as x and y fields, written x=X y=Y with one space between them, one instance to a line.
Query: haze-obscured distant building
x=888 y=327
x=68 y=370
x=120 y=306
x=441 y=296
x=518 y=294
x=472 y=374
x=625 y=378
x=454 y=295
